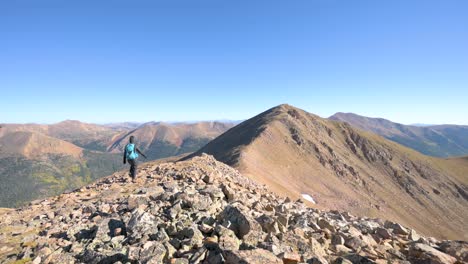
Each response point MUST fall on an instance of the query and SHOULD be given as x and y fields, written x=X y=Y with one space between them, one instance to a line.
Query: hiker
x=131 y=155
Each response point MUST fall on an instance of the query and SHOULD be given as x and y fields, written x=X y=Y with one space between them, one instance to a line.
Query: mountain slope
x=161 y=140
x=295 y=152
x=34 y=145
x=433 y=140
x=42 y=160
x=33 y=165
x=202 y=211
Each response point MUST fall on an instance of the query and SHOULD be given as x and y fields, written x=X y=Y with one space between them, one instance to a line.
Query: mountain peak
x=295 y=152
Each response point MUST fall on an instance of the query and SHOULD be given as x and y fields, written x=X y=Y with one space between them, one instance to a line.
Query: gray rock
x=141 y=226
x=457 y=249
x=422 y=253
x=227 y=238
x=242 y=224
x=383 y=233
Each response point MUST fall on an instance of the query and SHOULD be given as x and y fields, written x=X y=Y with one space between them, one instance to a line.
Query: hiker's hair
x=132 y=139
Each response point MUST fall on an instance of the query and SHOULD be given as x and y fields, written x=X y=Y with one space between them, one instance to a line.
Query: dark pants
x=133 y=167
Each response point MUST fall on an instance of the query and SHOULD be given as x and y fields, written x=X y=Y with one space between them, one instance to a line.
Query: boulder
x=323 y=223
x=337 y=240
x=383 y=233
x=227 y=238
x=422 y=253
x=141 y=226
x=457 y=249
x=400 y=230
x=244 y=226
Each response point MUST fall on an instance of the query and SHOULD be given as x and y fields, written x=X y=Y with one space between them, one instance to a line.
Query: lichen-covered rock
x=141 y=226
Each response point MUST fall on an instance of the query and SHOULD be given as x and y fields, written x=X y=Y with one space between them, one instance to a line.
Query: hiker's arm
x=125 y=156
x=138 y=150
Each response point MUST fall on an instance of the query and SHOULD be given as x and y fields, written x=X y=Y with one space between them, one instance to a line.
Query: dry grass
x=295 y=152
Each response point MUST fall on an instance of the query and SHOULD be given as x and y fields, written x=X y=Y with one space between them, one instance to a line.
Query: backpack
x=130 y=149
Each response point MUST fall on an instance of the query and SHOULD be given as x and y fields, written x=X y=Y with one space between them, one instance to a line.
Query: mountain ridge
x=295 y=152
x=434 y=140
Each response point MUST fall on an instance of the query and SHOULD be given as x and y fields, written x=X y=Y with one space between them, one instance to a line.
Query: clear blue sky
x=107 y=61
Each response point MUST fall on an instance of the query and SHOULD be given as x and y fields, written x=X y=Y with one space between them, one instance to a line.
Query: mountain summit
x=202 y=211
x=298 y=154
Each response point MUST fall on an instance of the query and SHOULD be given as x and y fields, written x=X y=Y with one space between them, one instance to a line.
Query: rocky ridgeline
x=202 y=211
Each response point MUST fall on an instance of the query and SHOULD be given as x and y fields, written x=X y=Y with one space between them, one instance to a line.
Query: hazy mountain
x=85 y=135
x=341 y=167
x=43 y=160
x=160 y=140
x=123 y=125
x=434 y=140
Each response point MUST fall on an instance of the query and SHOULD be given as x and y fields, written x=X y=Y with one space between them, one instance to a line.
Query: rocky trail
x=203 y=211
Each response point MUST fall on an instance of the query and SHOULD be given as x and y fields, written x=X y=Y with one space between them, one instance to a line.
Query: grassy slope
x=294 y=152
x=25 y=179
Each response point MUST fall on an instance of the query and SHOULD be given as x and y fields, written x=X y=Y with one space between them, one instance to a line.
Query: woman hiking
x=131 y=154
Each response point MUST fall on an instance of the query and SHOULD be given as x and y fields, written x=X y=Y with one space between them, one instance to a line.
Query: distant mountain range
x=43 y=160
x=338 y=166
x=433 y=140
x=330 y=163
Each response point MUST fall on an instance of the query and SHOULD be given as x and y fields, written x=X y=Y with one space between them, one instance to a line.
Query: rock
x=192 y=237
x=179 y=261
x=211 y=243
x=255 y=256
x=227 y=239
x=51 y=215
x=337 y=240
x=341 y=260
x=152 y=252
x=413 y=236
x=205 y=228
x=174 y=211
x=423 y=253
x=141 y=226
x=37 y=260
x=213 y=191
x=400 y=230
x=356 y=258
x=269 y=225
x=229 y=193
x=135 y=201
x=161 y=236
x=290 y=257
x=242 y=224
x=383 y=233
x=323 y=223
x=341 y=250
x=317 y=260
x=354 y=243
x=457 y=249
x=208 y=179
x=105 y=208
x=201 y=203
